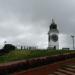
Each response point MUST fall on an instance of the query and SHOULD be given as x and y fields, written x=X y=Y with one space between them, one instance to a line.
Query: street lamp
x=73 y=40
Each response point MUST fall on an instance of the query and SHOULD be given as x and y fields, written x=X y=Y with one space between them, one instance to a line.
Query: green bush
x=9 y=47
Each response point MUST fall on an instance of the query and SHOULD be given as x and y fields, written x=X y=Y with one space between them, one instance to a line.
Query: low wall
x=9 y=68
x=45 y=70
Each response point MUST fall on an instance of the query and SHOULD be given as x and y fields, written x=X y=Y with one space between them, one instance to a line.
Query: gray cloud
x=27 y=21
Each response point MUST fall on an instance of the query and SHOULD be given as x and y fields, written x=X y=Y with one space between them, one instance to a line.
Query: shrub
x=9 y=47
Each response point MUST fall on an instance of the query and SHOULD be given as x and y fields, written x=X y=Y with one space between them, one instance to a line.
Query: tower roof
x=53 y=25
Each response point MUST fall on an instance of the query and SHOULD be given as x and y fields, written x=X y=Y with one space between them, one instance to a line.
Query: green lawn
x=27 y=54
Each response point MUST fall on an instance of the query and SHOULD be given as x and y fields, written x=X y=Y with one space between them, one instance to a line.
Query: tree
x=9 y=47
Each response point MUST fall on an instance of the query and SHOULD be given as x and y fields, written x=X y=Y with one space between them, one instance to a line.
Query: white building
x=53 y=36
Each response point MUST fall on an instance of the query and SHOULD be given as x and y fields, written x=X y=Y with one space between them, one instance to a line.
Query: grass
x=28 y=54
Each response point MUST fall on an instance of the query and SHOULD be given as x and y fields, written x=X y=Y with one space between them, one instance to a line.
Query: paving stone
x=51 y=74
x=66 y=72
x=59 y=73
x=69 y=69
x=70 y=66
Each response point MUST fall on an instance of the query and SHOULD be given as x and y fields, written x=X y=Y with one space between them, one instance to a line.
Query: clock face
x=54 y=37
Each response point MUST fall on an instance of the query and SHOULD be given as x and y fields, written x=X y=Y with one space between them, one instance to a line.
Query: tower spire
x=53 y=20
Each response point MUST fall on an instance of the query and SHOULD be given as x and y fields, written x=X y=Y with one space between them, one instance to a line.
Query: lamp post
x=73 y=40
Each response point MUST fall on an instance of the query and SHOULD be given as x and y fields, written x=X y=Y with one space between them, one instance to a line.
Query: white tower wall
x=51 y=44
x=53 y=36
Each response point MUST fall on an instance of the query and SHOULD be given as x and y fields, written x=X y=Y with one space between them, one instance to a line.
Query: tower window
x=53 y=27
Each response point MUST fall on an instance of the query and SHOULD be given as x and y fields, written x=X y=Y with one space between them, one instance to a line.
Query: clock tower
x=53 y=36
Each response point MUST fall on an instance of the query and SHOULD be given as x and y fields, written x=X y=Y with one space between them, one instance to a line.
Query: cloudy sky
x=26 y=22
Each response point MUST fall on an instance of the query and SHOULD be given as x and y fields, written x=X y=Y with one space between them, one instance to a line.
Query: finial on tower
x=53 y=20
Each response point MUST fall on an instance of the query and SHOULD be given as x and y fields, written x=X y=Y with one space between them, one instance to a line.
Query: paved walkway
x=65 y=70
x=66 y=67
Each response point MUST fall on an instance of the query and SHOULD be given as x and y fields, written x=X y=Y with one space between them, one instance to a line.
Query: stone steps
x=70 y=66
x=65 y=70
x=69 y=69
x=59 y=73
